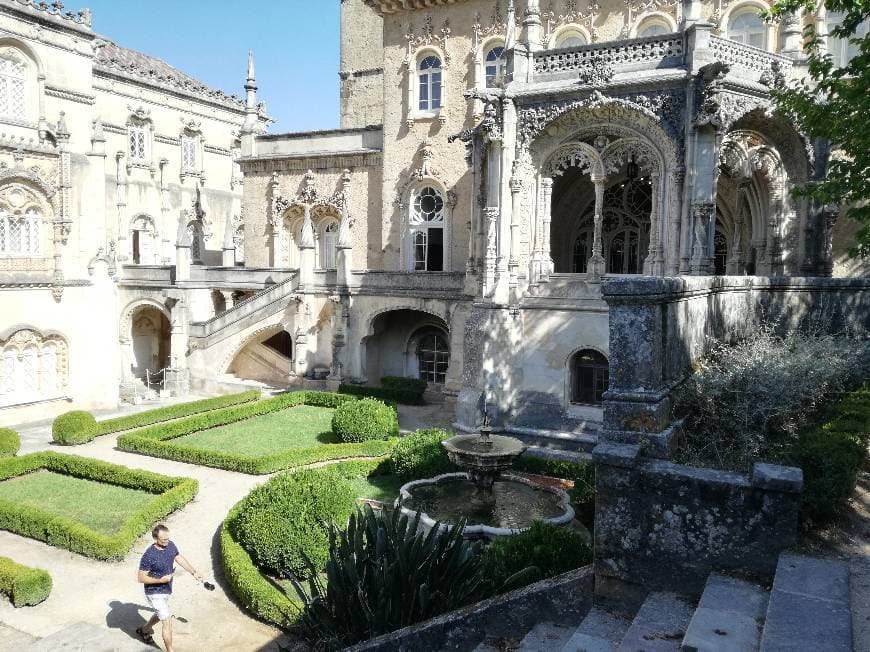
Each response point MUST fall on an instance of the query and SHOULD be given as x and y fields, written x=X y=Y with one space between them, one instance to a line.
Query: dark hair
x=158 y=529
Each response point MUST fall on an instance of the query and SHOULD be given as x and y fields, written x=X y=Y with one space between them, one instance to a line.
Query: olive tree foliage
x=834 y=103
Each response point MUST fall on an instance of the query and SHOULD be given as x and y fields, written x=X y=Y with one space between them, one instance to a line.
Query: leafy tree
x=834 y=103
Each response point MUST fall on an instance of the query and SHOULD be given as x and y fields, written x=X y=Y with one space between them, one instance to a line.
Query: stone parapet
x=661 y=526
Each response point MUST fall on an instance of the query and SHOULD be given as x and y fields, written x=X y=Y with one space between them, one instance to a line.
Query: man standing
x=155 y=572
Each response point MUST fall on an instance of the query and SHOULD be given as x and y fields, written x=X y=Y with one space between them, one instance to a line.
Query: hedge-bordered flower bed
x=257 y=592
x=76 y=428
x=157 y=440
x=24 y=585
x=170 y=494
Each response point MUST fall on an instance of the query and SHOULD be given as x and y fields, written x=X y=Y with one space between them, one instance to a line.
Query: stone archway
x=406 y=342
x=150 y=337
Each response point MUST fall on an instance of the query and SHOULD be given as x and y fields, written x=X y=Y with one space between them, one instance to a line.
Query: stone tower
x=362 y=72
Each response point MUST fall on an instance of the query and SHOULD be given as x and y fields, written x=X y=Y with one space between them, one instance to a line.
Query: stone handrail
x=408 y=281
x=271 y=296
x=647 y=51
x=747 y=58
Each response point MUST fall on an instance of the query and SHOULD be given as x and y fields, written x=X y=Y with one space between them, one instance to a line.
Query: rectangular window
x=436 y=90
x=137 y=143
x=421 y=248
x=188 y=154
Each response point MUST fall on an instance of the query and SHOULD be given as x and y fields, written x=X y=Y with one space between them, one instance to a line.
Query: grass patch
x=249 y=445
x=36 y=503
x=384 y=488
x=97 y=505
x=302 y=426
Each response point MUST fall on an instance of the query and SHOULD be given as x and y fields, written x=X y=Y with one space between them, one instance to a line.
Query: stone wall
x=664 y=526
x=660 y=326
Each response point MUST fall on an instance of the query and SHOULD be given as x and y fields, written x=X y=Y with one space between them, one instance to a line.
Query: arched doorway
x=409 y=343
x=150 y=334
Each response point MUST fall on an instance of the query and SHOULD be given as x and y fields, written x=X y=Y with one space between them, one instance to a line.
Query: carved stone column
x=121 y=204
x=792 y=39
x=547 y=196
x=703 y=216
x=491 y=216
x=344 y=246
x=516 y=186
x=229 y=299
x=306 y=254
x=654 y=263
x=678 y=177
x=736 y=264
x=829 y=219
x=595 y=267
x=300 y=350
x=275 y=223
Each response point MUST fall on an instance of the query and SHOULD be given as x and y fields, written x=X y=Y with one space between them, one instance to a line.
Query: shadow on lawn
x=328 y=437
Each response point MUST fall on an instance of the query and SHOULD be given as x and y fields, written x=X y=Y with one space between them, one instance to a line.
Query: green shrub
x=549 y=548
x=170 y=494
x=10 y=442
x=582 y=474
x=421 y=455
x=157 y=440
x=76 y=427
x=364 y=420
x=398 y=395
x=25 y=586
x=416 y=385
x=287 y=516
x=383 y=575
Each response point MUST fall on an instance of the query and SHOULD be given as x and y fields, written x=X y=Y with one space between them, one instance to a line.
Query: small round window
x=429 y=205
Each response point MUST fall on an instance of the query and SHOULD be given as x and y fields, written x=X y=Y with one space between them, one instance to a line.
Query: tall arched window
x=429 y=84
x=13 y=74
x=32 y=367
x=748 y=28
x=142 y=240
x=328 y=240
x=570 y=38
x=495 y=66
x=20 y=235
x=653 y=27
x=433 y=355
x=589 y=377
x=427 y=230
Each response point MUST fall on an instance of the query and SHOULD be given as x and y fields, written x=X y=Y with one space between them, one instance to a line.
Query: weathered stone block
x=777 y=478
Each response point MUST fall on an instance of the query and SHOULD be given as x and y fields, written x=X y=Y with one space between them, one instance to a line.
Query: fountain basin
x=483 y=456
x=510 y=506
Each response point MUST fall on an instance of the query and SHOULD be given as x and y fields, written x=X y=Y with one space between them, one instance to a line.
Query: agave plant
x=383 y=574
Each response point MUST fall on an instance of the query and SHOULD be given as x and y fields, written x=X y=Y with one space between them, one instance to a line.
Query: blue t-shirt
x=158 y=563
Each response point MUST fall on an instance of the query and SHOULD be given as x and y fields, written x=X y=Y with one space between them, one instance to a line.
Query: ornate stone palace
x=496 y=160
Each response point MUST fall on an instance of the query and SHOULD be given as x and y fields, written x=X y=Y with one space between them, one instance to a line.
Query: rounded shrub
x=288 y=516
x=549 y=548
x=10 y=442
x=421 y=455
x=76 y=427
x=364 y=420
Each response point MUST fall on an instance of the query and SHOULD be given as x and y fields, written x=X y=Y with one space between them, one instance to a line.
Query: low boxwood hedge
x=80 y=427
x=831 y=455
x=10 y=442
x=170 y=494
x=416 y=385
x=24 y=585
x=157 y=440
x=257 y=592
x=401 y=395
x=421 y=455
x=364 y=420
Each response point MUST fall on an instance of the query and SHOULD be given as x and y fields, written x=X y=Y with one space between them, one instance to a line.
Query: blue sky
x=295 y=45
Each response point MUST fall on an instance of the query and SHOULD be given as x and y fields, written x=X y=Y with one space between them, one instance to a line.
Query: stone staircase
x=807 y=609
x=568 y=445
x=262 y=305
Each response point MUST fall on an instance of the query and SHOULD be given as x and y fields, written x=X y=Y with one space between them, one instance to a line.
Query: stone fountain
x=494 y=501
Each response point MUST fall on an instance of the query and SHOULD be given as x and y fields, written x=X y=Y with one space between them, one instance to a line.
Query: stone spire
x=532 y=26
x=510 y=39
x=251 y=109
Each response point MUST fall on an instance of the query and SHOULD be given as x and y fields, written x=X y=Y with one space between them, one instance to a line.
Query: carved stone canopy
x=309 y=196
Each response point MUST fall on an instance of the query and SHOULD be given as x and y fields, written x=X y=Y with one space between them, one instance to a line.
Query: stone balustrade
x=649 y=52
x=747 y=61
x=439 y=283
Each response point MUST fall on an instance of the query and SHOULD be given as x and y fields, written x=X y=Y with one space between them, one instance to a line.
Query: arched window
x=427 y=230
x=433 y=355
x=142 y=240
x=653 y=27
x=581 y=253
x=429 y=84
x=328 y=240
x=12 y=78
x=197 y=244
x=32 y=367
x=570 y=38
x=589 y=377
x=720 y=253
x=495 y=66
x=747 y=27
x=20 y=235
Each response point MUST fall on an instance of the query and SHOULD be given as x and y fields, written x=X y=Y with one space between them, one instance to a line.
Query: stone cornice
x=395 y=6
x=267 y=164
x=67 y=94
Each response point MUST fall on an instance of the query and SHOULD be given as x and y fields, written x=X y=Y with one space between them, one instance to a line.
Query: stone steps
x=600 y=631
x=582 y=441
x=659 y=625
x=728 y=618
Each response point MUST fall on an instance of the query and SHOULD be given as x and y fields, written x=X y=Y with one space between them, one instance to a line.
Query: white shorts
x=160 y=603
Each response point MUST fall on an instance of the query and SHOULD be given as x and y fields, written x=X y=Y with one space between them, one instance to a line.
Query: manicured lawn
x=100 y=506
x=377 y=487
x=303 y=426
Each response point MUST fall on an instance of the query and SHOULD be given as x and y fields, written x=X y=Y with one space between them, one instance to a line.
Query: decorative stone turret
x=249 y=128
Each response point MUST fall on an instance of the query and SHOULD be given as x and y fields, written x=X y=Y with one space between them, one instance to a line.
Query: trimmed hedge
x=80 y=429
x=401 y=395
x=285 y=520
x=170 y=494
x=258 y=593
x=550 y=549
x=157 y=440
x=364 y=420
x=421 y=455
x=76 y=427
x=832 y=455
x=10 y=442
x=24 y=585
x=409 y=384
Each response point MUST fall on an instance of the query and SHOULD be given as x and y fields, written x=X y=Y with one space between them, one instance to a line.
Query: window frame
x=744 y=11
x=419 y=226
x=848 y=50
x=29 y=230
x=599 y=370
x=7 y=79
x=565 y=32
x=499 y=65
